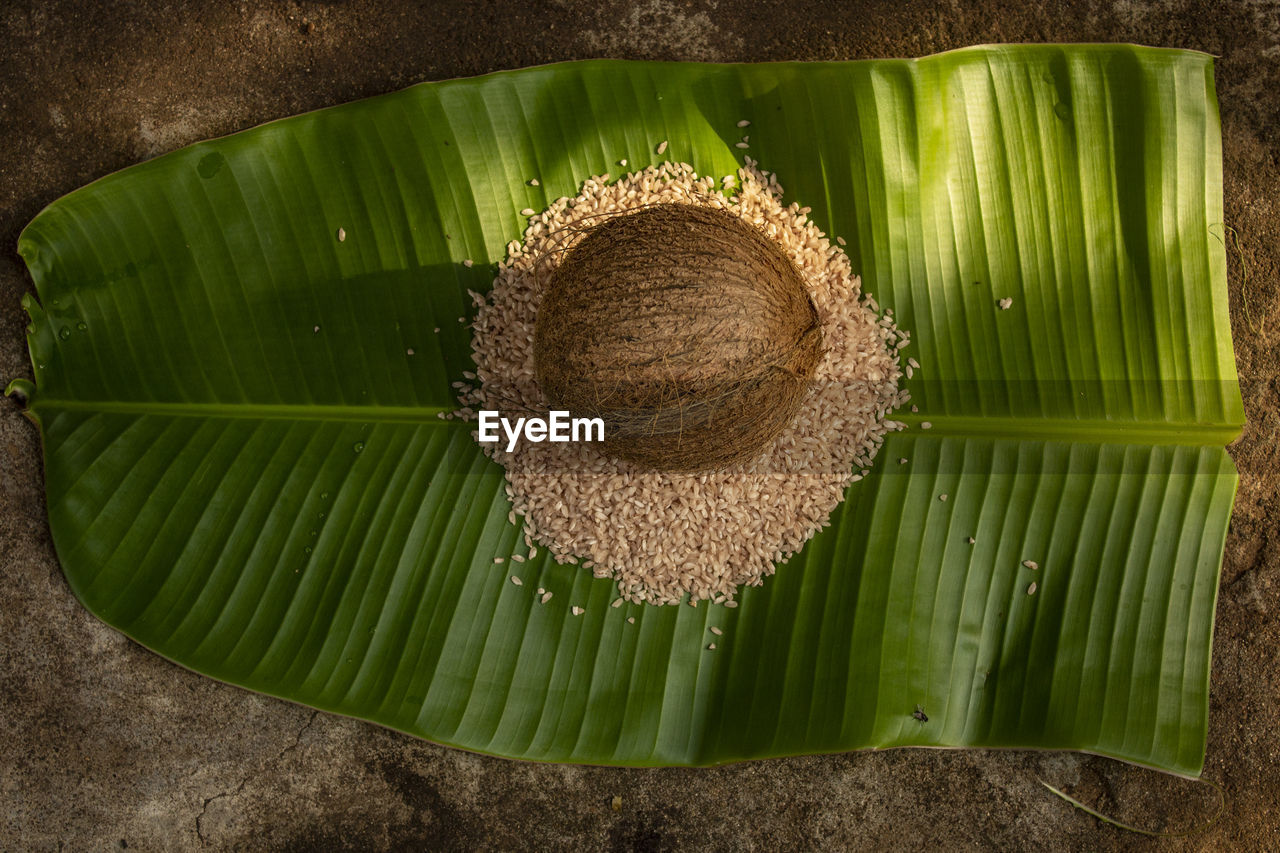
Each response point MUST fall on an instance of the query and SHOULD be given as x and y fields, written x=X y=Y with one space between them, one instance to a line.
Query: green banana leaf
x=246 y=471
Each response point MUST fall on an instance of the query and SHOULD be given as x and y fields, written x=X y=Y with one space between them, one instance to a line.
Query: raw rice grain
x=648 y=530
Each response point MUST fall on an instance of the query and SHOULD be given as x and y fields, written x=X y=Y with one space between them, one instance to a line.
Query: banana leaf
x=246 y=472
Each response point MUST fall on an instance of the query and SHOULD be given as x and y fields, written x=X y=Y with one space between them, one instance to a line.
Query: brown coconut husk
x=686 y=329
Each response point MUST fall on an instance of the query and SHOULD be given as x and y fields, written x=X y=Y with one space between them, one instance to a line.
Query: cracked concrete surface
x=105 y=744
x=235 y=792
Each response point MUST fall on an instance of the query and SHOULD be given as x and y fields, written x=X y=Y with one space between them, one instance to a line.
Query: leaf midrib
x=257 y=411
x=1003 y=426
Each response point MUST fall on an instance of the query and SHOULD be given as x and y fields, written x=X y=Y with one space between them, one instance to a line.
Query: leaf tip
x=22 y=390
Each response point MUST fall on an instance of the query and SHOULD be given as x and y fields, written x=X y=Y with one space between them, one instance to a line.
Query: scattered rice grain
x=342 y=235
x=926 y=425
x=627 y=522
x=716 y=631
x=662 y=147
x=576 y=611
x=744 y=123
x=468 y=263
x=1031 y=564
x=515 y=580
x=1031 y=590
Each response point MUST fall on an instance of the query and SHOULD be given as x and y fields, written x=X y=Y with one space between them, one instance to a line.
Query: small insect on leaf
x=920 y=715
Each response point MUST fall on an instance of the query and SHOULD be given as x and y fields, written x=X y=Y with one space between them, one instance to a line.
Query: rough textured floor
x=104 y=745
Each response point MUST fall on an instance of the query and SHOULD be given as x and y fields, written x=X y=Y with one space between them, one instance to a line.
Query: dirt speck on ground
x=107 y=745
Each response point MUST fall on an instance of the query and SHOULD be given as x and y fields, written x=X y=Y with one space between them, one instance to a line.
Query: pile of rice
x=663 y=536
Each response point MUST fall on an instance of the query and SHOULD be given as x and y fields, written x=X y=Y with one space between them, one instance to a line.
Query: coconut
x=685 y=329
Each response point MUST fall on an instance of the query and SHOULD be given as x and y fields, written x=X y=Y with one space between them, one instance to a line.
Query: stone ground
x=104 y=745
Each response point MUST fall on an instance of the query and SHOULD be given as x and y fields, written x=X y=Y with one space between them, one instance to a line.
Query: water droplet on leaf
x=64 y=332
x=359 y=447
